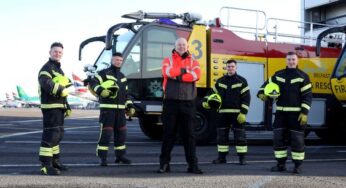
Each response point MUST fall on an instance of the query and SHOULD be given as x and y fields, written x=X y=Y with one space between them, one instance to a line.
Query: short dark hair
x=231 y=61
x=291 y=53
x=117 y=54
x=56 y=44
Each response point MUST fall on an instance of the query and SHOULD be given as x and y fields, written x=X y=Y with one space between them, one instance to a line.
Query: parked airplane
x=81 y=90
x=34 y=101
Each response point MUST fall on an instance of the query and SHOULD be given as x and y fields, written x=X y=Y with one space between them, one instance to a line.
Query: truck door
x=338 y=78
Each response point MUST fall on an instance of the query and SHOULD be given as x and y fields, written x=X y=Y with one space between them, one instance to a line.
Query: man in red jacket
x=180 y=73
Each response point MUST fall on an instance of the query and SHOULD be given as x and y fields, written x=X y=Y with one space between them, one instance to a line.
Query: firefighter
x=111 y=86
x=292 y=107
x=53 y=92
x=234 y=94
x=180 y=73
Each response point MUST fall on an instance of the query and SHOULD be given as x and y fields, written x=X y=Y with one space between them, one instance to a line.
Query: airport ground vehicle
x=337 y=80
x=144 y=44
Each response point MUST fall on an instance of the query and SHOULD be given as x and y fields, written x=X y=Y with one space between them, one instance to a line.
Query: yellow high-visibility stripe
x=288 y=109
x=115 y=106
x=236 y=85
x=241 y=149
x=95 y=89
x=298 y=155
x=297 y=80
x=103 y=148
x=48 y=106
x=120 y=147
x=305 y=106
x=222 y=148
x=55 y=89
x=128 y=102
x=99 y=78
x=244 y=90
x=123 y=80
x=280 y=79
x=56 y=150
x=229 y=110
x=280 y=154
x=215 y=90
x=306 y=87
x=45 y=73
x=245 y=106
x=47 y=152
x=222 y=85
x=109 y=77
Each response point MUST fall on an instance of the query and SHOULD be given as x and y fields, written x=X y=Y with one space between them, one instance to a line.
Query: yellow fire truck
x=151 y=36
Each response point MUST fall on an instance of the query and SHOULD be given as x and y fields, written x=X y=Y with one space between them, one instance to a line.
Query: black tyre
x=151 y=126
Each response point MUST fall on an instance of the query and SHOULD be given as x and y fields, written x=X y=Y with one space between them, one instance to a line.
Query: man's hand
x=205 y=105
x=68 y=113
x=303 y=119
x=263 y=97
x=105 y=93
x=131 y=112
x=64 y=92
x=183 y=71
x=241 y=118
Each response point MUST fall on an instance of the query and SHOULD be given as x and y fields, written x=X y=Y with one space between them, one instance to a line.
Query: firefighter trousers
x=288 y=131
x=225 y=122
x=112 y=122
x=179 y=116
x=53 y=132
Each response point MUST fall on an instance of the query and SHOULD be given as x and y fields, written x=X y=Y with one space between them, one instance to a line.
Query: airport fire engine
x=150 y=38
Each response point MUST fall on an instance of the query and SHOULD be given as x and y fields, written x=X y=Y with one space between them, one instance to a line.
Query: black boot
x=297 y=167
x=57 y=164
x=122 y=160
x=103 y=162
x=164 y=168
x=220 y=159
x=49 y=170
x=242 y=159
x=280 y=166
x=194 y=170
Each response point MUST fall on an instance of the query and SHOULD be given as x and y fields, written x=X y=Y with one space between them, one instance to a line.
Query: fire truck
x=337 y=79
x=147 y=40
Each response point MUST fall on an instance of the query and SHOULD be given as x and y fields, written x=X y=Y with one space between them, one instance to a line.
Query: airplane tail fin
x=21 y=93
x=78 y=84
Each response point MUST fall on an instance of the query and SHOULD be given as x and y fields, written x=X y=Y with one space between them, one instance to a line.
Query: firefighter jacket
x=234 y=92
x=295 y=90
x=48 y=90
x=122 y=100
x=179 y=76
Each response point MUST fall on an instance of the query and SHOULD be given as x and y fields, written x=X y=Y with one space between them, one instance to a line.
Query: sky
x=29 y=27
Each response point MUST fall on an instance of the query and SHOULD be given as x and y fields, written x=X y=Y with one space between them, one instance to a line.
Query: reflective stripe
x=47 y=152
x=297 y=80
x=95 y=89
x=280 y=79
x=288 y=109
x=223 y=86
x=236 y=85
x=128 y=102
x=305 y=106
x=115 y=106
x=56 y=150
x=306 y=87
x=109 y=77
x=123 y=80
x=45 y=73
x=261 y=89
x=244 y=90
x=241 y=149
x=194 y=75
x=215 y=90
x=222 y=148
x=99 y=78
x=229 y=110
x=126 y=88
x=298 y=155
x=280 y=154
x=48 y=106
x=103 y=148
x=55 y=89
x=245 y=106
x=120 y=147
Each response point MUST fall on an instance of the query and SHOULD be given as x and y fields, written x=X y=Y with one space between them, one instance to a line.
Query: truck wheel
x=151 y=126
x=204 y=129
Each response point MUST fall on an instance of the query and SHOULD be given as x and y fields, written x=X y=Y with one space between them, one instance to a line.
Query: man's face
x=117 y=61
x=56 y=53
x=181 y=46
x=292 y=61
x=231 y=68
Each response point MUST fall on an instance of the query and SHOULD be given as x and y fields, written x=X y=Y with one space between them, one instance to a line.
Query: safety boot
x=242 y=159
x=122 y=160
x=297 y=167
x=164 y=168
x=194 y=170
x=57 y=164
x=278 y=168
x=103 y=162
x=49 y=170
x=220 y=159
